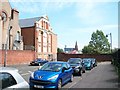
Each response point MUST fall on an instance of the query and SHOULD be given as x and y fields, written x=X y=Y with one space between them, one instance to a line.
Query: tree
x=86 y=49
x=59 y=50
x=98 y=44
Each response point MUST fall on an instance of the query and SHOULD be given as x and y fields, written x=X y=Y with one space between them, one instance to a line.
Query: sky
x=74 y=20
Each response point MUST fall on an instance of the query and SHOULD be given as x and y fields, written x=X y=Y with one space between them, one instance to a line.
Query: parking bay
x=102 y=76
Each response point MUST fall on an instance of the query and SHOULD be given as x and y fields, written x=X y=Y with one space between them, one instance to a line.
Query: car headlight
x=53 y=77
x=32 y=75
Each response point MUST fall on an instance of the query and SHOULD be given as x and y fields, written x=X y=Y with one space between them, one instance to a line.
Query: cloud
x=89 y=13
x=37 y=6
x=83 y=35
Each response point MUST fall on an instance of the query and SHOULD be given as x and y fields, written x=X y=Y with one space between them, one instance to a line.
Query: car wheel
x=71 y=78
x=59 y=84
x=83 y=71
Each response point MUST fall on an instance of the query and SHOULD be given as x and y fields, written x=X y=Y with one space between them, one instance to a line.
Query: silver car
x=11 y=79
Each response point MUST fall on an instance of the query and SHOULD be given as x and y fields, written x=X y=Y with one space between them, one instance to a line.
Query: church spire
x=76 y=46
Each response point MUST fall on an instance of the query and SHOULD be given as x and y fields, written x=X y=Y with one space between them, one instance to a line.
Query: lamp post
x=6 y=46
x=110 y=40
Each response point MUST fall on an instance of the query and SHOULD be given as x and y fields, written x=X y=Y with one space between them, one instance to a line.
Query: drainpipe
x=10 y=27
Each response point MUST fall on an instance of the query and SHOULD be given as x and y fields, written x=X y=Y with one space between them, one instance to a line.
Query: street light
x=110 y=40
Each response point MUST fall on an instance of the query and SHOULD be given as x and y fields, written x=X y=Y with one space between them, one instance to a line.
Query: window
x=4 y=16
x=65 y=65
x=68 y=66
x=7 y=80
x=46 y=25
x=42 y=23
x=3 y=46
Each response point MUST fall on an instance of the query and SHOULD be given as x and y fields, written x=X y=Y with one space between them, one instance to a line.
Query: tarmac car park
x=58 y=84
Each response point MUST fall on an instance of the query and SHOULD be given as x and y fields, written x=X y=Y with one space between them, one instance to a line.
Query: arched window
x=4 y=16
x=42 y=23
x=46 y=25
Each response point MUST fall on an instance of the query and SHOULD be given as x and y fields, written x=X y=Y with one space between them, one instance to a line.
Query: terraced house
x=10 y=31
x=39 y=36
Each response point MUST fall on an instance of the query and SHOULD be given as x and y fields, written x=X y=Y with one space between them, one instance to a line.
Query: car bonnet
x=44 y=75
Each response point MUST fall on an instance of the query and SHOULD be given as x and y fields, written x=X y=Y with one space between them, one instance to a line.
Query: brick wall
x=99 y=57
x=28 y=36
x=15 y=57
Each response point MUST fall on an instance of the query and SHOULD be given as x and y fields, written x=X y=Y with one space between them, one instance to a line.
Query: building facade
x=39 y=36
x=10 y=32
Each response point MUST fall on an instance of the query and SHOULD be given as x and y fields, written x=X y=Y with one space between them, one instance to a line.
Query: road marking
x=75 y=83
x=25 y=74
x=30 y=72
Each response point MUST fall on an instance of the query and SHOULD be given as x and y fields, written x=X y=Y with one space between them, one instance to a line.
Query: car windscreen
x=86 y=62
x=93 y=60
x=74 y=61
x=55 y=67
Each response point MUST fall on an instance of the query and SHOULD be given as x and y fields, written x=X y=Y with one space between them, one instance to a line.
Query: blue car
x=94 y=62
x=87 y=63
x=51 y=75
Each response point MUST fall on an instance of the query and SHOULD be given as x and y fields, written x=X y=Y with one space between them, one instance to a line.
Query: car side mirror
x=63 y=69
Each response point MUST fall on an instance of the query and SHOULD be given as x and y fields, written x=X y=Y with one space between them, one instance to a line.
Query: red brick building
x=38 y=36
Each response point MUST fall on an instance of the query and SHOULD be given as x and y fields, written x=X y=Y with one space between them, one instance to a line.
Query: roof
x=29 y=22
x=69 y=49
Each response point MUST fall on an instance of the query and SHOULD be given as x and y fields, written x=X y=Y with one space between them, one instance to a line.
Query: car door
x=65 y=74
x=69 y=71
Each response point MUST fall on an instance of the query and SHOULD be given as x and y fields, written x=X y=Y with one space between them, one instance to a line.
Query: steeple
x=76 y=46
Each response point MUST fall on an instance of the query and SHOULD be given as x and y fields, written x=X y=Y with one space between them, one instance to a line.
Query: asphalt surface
x=102 y=76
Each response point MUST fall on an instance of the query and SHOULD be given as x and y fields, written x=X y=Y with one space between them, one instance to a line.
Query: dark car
x=94 y=62
x=39 y=62
x=87 y=63
x=77 y=65
x=51 y=75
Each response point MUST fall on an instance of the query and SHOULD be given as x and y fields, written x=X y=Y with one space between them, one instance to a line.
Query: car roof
x=13 y=72
x=8 y=69
x=76 y=58
x=59 y=62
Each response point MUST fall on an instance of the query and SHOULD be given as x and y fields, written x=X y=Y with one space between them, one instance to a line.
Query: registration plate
x=38 y=86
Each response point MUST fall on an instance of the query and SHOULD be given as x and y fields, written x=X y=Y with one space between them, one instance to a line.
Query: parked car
x=94 y=62
x=87 y=63
x=77 y=65
x=39 y=62
x=11 y=79
x=51 y=75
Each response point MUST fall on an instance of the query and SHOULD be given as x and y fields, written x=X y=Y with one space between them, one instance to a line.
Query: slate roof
x=69 y=49
x=28 y=22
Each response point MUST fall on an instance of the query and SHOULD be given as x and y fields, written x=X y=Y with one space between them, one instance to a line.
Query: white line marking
x=72 y=84
x=25 y=74
x=75 y=83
